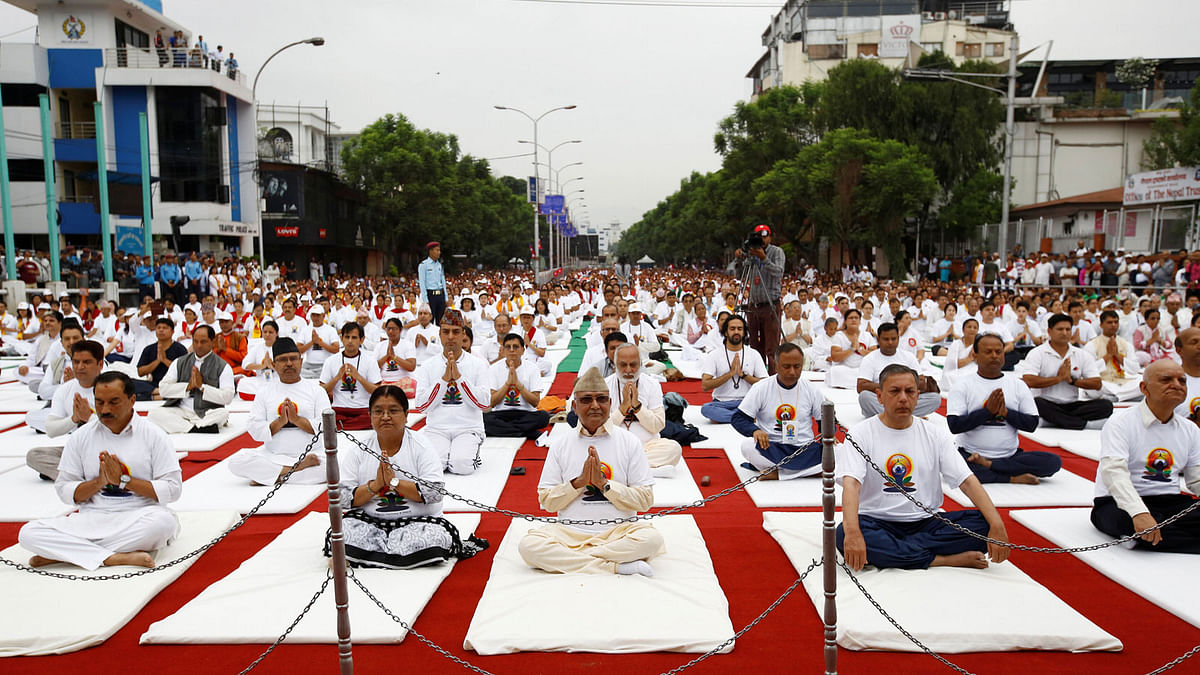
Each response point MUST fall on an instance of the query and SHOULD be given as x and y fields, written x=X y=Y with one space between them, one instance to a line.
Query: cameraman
x=766 y=277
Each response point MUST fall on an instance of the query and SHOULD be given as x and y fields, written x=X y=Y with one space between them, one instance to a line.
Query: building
x=808 y=37
x=608 y=236
x=299 y=134
x=201 y=128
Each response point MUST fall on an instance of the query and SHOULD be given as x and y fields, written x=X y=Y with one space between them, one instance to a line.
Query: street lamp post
x=533 y=258
x=553 y=188
x=262 y=246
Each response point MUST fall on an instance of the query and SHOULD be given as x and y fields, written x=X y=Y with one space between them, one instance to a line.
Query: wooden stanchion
x=829 y=534
x=337 y=543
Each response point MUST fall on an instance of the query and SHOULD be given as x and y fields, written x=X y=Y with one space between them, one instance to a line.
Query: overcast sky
x=650 y=83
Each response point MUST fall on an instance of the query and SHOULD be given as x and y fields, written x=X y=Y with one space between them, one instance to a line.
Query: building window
x=128 y=36
x=826 y=52
x=931 y=47
x=26 y=171
x=868 y=49
x=19 y=95
x=995 y=49
x=189 y=144
x=969 y=50
x=276 y=144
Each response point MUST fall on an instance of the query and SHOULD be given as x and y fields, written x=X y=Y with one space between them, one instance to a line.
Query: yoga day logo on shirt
x=900 y=469
x=1160 y=464
x=512 y=396
x=452 y=396
x=349 y=383
x=1193 y=405
x=786 y=412
x=594 y=494
x=391 y=502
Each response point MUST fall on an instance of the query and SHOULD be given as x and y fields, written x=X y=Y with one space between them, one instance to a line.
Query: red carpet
x=752 y=570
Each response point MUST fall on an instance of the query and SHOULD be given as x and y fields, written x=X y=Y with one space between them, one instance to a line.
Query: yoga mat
x=1062 y=489
x=218 y=489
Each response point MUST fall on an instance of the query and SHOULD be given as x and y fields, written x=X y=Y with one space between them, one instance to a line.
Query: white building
x=300 y=134
x=200 y=118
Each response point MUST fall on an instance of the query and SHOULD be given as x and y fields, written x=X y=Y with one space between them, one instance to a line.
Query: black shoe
x=45 y=477
x=208 y=429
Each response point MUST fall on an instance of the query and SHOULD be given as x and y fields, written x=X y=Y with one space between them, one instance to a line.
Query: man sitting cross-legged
x=887 y=354
x=71 y=408
x=730 y=371
x=452 y=388
x=638 y=408
x=598 y=470
x=986 y=409
x=284 y=417
x=880 y=526
x=514 y=395
x=1143 y=452
x=119 y=470
x=777 y=416
x=197 y=387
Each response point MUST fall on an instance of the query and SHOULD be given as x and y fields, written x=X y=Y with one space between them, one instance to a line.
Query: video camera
x=753 y=240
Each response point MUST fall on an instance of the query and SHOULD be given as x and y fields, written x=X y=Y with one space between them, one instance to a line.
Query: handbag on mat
x=403 y=543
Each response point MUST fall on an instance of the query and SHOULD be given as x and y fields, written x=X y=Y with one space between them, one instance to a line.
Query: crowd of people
x=470 y=353
x=174 y=52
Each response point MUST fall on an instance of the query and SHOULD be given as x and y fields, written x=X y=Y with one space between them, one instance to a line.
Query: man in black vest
x=197 y=387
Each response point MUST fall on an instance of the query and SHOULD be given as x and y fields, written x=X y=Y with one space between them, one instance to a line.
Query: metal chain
x=758 y=619
x=283 y=636
x=1183 y=657
x=441 y=489
x=430 y=643
x=181 y=559
x=911 y=638
x=1020 y=547
x=675 y=671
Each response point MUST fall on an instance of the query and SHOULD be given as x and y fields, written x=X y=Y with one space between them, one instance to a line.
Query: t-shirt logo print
x=784 y=413
x=391 y=502
x=512 y=396
x=452 y=396
x=900 y=470
x=1160 y=465
x=594 y=494
x=1193 y=405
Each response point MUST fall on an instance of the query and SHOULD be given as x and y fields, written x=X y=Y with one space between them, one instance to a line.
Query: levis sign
x=287 y=231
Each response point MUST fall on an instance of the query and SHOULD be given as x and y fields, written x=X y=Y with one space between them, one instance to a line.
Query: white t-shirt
x=1032 y=326
x=527 y=373
x=453 y=406
x=771 y=406
x=998 y=328
x=297 y=329
x=310 y=400
x=874 y=363
x=1157 y=454
x=432 y=345
x=912 y=342
x=317 y=354
x=841 y=341
x=359 y=467
x=918 y=457
x=350 y=392
x=717 y=362
x=1043 y=361
x=622 y=460
x=392 y=372
x=995 y=439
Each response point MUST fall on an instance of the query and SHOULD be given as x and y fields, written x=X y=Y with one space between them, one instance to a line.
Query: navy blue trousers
x=1036 y=462
x=913 y=545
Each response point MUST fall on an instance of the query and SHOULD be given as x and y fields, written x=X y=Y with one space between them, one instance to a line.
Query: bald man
x=1143 y=452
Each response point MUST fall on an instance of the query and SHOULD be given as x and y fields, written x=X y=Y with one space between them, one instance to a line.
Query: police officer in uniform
x=432 y=281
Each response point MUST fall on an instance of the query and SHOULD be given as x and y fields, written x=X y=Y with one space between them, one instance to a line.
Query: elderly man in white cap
x=535 y=340
x=595 y=472
x=321 y=344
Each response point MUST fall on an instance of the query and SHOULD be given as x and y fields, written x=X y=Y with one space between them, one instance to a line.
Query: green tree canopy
x=1176 y=142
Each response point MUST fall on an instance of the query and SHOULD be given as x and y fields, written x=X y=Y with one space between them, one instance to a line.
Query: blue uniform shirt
x=193 y=270
x=430 y=277
x=145 y=274
x=169 y=273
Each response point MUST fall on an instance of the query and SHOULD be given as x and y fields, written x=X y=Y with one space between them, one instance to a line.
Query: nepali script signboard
x=1167 y=185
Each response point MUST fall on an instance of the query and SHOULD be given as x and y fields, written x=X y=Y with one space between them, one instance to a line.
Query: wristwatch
x=394 y=482
x=607 y=487
x=125 y=478
x=1072 y=380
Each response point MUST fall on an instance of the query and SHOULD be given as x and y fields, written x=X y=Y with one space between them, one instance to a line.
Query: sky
x=650 y=83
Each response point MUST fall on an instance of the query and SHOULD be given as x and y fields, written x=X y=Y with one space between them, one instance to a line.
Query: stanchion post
x=828 y=539
x=337 y=543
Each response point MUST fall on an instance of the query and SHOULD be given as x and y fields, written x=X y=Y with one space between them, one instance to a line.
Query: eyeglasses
x=387 y=412
x=588 y=399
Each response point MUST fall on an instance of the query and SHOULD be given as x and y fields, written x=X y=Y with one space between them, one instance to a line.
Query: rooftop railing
x=172 y=58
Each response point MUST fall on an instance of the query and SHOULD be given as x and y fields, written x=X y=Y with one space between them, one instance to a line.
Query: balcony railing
x=75 y=130
x=190 y=59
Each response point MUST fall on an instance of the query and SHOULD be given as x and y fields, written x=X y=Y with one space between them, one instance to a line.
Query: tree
x=856 y=189
x=1176 y=142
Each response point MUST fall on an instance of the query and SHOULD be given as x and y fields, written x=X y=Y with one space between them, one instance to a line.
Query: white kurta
x=112 y=520
x=262 y=465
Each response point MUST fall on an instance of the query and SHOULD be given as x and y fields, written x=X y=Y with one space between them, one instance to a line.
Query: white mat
x=47 y=616
x=10 y=420
x=1143 y=572
x=15 y=401
x=27 y=497
x=692 y=370
x=1018 y=612
x=194 y=442
x=681 y=609
x=1062 y=489
x=677 y=490
x=217 y=489
x=813 y=375
x=1084 y=442
x=9 y=463
x=780 y=493
x=17 y=442
x=257 y=601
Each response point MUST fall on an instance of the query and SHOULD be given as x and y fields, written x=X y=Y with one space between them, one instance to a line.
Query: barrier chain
x=283 y=636
x=441 y=489
x=189 y=556
x=1020 y=547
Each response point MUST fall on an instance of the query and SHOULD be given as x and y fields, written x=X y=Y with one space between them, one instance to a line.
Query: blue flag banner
x=554 y=204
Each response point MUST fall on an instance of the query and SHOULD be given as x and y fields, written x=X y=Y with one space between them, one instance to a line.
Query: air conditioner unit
x=941 y=16
x=953 y=15
x=927 y=16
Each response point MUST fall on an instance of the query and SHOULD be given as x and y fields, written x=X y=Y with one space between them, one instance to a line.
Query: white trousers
x=149 y=532
x=180 y=420
x=33 y=377
x=459 y=450
x=36 y=419
x=561 y=549
x=257 y=465
x=842 y=377
x=311 y=371
x=1116 y=391
x=662 y=452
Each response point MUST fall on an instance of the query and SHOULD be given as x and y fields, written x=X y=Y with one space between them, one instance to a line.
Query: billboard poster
x=1166 y=185
x=895 y=34
x=282 y=192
